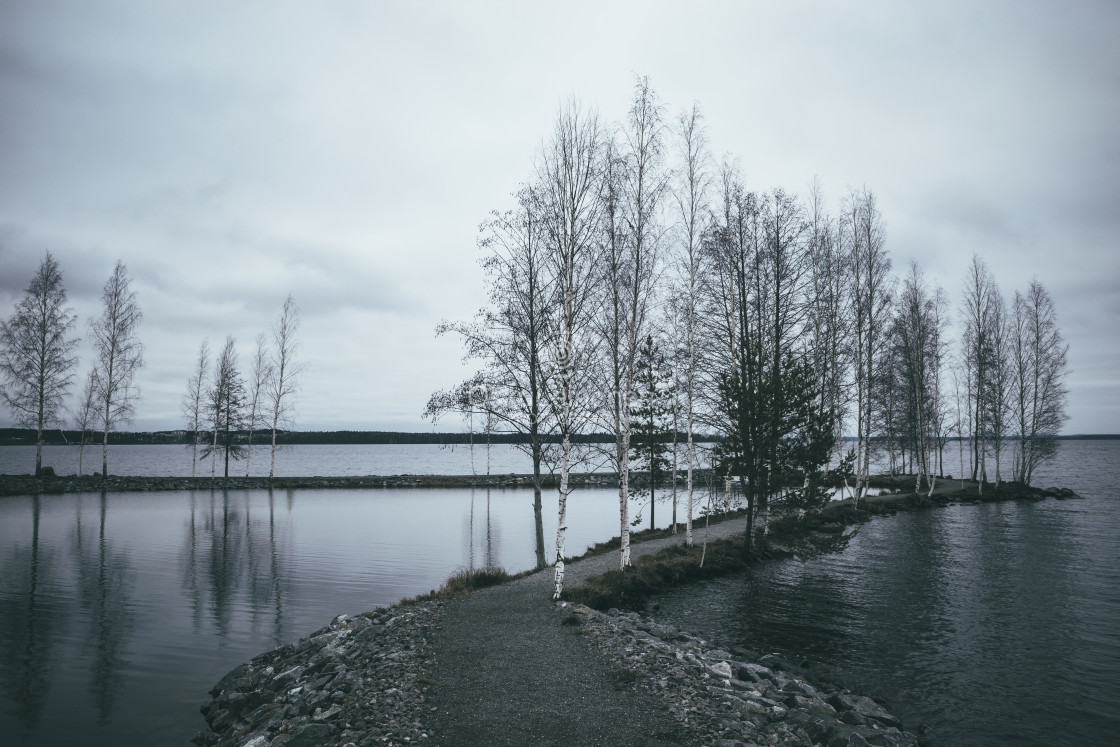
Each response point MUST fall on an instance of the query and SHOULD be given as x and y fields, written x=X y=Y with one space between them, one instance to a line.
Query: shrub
x=464 y=581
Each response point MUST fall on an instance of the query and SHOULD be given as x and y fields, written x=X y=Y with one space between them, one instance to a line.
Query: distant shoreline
x=56 y=437
x=27 y=484
x=31 y=485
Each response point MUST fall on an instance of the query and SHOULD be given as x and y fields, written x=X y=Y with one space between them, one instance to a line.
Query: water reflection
x=29 y=618
x=482 y=535
x=106 y=581
x=233 y=563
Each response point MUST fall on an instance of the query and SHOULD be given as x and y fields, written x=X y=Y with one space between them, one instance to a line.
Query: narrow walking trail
x=510 y=673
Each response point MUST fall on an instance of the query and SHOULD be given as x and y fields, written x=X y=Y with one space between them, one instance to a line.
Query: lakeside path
x=510 y=673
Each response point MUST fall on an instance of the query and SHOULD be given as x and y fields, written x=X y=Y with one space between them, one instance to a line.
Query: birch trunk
x=676 y=431
x=562 y=517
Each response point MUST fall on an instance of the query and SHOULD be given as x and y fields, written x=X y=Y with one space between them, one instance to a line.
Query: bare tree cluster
x=37 y=358
x=223 y=409
x=37 y=354
x=1013 y=363
x=914 y=402
x=782 y=326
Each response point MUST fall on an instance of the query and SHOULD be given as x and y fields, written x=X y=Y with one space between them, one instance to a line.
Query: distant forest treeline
x=26 y=437
x=22 y=436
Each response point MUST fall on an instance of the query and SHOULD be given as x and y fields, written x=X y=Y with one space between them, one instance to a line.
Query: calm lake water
x=293 y=461
x=119 y=612
x=995 y=624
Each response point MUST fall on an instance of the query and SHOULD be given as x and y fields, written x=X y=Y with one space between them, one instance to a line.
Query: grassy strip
x=464 y=581
x=645 y=535
x=653 y=573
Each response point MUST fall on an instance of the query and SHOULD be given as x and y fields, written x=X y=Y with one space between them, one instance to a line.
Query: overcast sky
x=346 y=152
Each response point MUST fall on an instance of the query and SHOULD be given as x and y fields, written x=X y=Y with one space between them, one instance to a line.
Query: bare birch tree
x=259 y=375
x=829 y=300
x=633 y=184
x=691 y=195
x=87 y=412
x=569 y=181
x=225 y=404
x=1039 y=369
x=976 y=342
x=960 y=427
x=282 y=386
x=37 y=354
x=870 y=306
x=997 y=396
x=511 y=337
x=120 y=355
x=193 y=400
x=919 y=331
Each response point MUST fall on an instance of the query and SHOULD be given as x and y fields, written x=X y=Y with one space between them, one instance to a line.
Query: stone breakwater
x=361 y=681
x=727 y=699
x=358 y=681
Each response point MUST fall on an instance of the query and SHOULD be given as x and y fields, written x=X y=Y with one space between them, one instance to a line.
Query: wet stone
x=307 y=694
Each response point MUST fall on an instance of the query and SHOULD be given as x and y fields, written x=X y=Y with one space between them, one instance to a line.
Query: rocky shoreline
x=357 y=681
x=363 y=681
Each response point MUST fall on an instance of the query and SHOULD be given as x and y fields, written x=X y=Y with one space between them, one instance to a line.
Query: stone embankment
x=362 y=681
x=357 y=681
x=731 y=698
x=32 y=485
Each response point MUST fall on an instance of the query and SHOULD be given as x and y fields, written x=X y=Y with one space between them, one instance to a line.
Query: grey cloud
x=231 y=153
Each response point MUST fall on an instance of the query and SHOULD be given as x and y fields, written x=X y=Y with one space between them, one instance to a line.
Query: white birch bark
x=691 y=197
x=569 y=182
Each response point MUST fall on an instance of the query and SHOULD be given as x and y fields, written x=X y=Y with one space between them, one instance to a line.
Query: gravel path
x=510 y=673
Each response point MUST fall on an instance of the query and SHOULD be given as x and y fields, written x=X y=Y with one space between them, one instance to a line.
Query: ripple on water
x=993 y=624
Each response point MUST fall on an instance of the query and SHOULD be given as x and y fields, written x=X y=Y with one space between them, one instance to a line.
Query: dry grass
x=464 y=581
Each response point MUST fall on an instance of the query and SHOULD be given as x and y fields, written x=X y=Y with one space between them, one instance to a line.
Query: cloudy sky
x=345 y=152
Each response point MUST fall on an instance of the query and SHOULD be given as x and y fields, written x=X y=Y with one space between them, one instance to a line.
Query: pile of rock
x=358 y=681
x=728 y=700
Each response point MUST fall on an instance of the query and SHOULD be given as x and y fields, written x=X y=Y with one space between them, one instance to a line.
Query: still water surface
x=304 y=460
x=995 y=624
x=119 y=612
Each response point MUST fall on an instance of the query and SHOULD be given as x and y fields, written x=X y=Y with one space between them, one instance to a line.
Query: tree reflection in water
x=30 y=621
x=106 y=582
x=488 y=540
x=234 y=565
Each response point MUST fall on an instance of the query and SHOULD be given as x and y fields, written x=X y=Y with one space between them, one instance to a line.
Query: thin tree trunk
x=562 y=516
x=538 y=512
x=624 y=482
x=676 y=432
